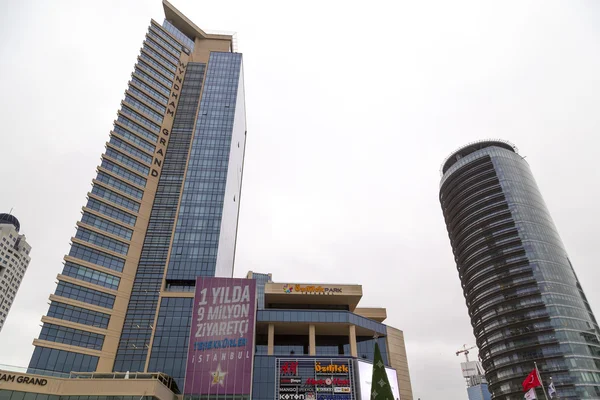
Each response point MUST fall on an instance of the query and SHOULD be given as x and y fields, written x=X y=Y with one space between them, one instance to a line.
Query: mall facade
x=308 y=342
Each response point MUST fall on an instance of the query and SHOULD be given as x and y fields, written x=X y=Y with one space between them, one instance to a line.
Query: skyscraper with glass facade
x=163 y=209
x=144 y=309
x=525 y=301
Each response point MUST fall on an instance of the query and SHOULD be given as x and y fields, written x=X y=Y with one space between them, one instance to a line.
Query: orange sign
x=331 y=368
x=311 y=289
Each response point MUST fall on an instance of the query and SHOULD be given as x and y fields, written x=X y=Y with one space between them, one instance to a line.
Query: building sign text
x=221 y=345
x=23 y=379
x=311 y=289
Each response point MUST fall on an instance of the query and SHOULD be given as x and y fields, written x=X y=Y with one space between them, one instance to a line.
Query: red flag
x=532 y=381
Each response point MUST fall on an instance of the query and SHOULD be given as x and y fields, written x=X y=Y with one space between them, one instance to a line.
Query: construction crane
x=465 y=350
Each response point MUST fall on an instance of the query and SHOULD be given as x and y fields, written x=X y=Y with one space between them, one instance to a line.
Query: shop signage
x=330 y=369
x=311 y=289
x=327 y=381
x=23 y=379
x=335 y=397
x=341 y=390
x=290 y=381
x=297 y=396
x=289 y=368
x=288 y=389
x=221 y=344
x=315 y=379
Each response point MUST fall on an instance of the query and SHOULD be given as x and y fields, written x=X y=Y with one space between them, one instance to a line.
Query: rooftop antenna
x=10 y=212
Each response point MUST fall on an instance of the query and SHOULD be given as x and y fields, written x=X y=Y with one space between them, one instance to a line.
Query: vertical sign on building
x=221 y=345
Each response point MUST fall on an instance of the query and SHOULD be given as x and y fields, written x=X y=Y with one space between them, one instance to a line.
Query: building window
x=90 y=275
x=97 y=257
x=285 y=345
x=102 y=240
x=106 y=225
x=330 y=345
x=71 y=336
x=80 y=293
x=366 y=348
x=46 y=359
x=80 y=315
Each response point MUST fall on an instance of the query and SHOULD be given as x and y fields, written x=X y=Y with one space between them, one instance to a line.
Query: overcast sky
x=351 y=108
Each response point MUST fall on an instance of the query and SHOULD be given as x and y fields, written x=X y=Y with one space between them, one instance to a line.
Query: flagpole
x=537 y=371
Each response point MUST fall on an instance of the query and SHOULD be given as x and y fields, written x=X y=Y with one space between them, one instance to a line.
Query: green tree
x=380 y=384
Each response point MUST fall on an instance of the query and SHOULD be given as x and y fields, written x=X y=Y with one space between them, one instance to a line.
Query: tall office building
x=146 y=307
x=163 y=209
x=524 y=299
x=14 y=260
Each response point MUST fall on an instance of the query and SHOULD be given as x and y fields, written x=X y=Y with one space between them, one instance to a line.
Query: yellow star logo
x=218 y=376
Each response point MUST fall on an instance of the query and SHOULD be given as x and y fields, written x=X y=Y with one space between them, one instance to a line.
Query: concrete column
x=312 y=341
x=352 y=337
x=271 y=340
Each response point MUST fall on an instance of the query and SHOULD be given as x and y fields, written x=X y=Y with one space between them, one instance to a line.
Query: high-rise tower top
x=472 y=147
x=10 y=219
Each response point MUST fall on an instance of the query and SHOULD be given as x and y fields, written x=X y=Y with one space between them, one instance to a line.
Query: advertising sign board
x=315 y=379
x=220 y=352
x=365 y=375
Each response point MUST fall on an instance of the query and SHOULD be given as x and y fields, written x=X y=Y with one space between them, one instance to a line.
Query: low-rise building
x=307 y=322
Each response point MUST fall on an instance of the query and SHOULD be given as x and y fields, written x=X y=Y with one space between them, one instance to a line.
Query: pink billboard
x=221 y=345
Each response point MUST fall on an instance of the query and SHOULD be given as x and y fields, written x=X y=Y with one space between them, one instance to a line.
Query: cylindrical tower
x=524 y=299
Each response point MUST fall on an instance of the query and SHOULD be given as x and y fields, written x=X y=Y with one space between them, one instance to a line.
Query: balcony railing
x=159 y=376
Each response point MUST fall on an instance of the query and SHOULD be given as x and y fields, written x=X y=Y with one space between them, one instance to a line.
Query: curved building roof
x=10 y=219
x=473 y=147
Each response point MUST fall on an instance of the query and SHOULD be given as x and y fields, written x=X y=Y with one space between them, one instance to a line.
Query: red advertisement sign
x=221 y=344
x=327 y=382
x=289 y=368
